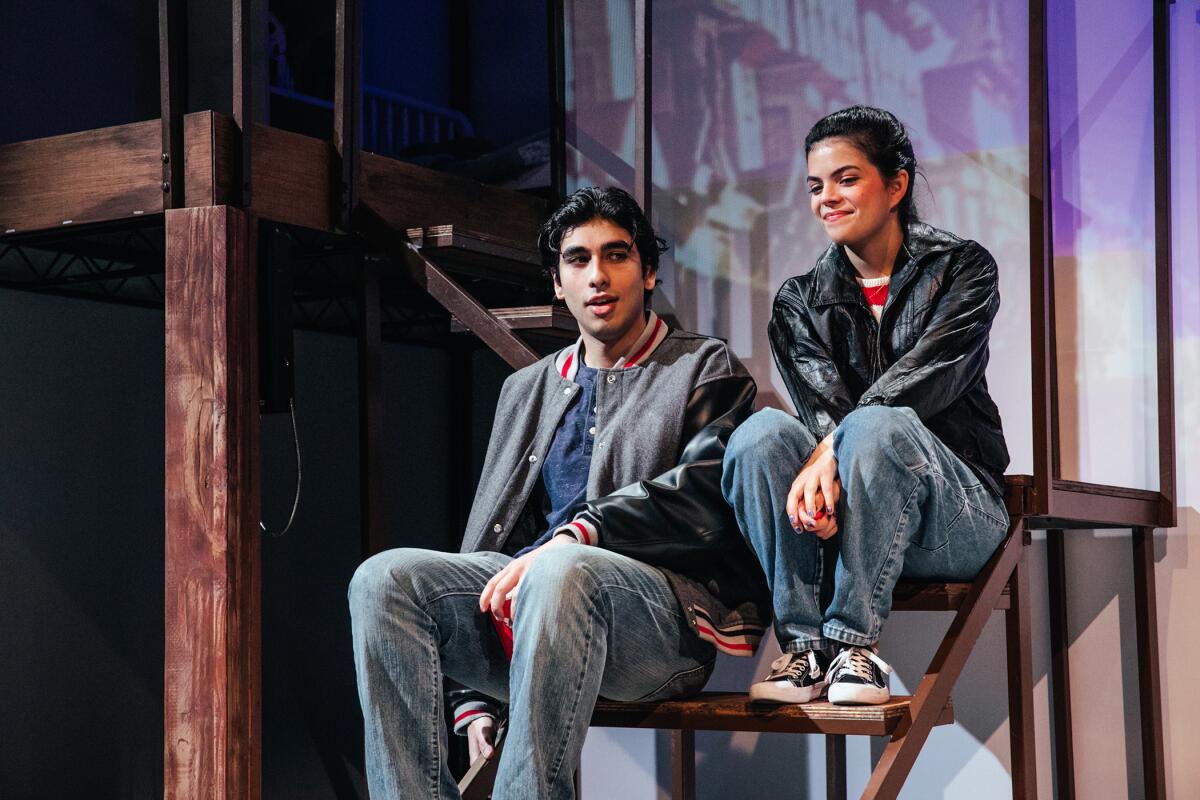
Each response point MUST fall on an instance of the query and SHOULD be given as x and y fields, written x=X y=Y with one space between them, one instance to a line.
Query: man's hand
x=501 y=591
x=814 y=495
x=479 y=738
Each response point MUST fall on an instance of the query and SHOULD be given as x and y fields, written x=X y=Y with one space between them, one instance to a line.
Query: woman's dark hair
x=589 y=203
x=882 y=138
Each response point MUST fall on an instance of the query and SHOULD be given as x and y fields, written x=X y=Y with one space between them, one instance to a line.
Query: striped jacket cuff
x=734 y=640
x=584 y=531
x=467 y=713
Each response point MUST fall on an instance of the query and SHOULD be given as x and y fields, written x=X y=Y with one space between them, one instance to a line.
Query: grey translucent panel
x=736 y=86
x=1102 y=168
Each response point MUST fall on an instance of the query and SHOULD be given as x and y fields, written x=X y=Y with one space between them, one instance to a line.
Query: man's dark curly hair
x=589 y=203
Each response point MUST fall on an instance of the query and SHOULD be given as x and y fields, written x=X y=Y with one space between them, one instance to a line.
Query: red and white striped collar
x=567 y=363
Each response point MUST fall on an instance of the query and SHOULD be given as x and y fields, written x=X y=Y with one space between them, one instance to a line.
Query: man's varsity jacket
x=654 y=484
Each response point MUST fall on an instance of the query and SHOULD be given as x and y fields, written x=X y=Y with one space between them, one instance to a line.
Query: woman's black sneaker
x=794 y=678
x=858 y=677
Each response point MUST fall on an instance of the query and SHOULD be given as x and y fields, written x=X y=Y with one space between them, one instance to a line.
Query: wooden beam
x=115 y=173
x=416 y=197
x=291 y=184
x=291 y=178
x=1100 y=506
x=92 y=176
x=212 y=715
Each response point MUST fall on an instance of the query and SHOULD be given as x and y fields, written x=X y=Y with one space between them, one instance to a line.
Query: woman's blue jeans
x=586 y=622
x=908 y=507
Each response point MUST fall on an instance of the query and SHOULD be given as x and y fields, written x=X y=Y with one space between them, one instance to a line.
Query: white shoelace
x=857 y=661
x=789 y=666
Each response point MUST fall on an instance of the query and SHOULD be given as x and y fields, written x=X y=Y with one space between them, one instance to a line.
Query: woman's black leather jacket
x=929 y=351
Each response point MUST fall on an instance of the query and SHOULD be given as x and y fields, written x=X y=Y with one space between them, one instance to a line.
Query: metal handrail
x=393 y=121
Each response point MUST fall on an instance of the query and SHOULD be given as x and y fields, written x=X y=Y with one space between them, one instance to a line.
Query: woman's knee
x=879 y=431
x=769 y=435
x=876 y=424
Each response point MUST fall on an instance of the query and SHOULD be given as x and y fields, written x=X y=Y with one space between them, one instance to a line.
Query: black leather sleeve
x=806 y=364
x=680 y=519
x=951 y=355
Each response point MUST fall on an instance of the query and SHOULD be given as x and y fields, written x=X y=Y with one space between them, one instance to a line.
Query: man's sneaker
x=857 y=677
x=794 y=678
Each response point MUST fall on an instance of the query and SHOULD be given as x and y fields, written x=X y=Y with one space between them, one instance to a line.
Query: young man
x=598 y=535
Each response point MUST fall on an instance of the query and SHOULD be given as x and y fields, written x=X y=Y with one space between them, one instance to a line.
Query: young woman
x=896 y=457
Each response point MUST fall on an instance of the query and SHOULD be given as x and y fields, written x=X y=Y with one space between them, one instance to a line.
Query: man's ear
x=650 y=279
x=558 y=290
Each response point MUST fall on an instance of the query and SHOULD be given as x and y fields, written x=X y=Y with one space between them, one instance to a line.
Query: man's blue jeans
x=908 y=507
x=586 y=622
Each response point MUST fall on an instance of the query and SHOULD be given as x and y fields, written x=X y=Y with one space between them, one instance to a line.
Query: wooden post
x=347 y=109
x=683 y=765
x=643 y=105
x=835 y=767
x=1154 y=770
x=1041 y=267
x=1020 y=683
x=212 y=717
x=556 y=29
x=1060 y=661
x=370 y=406
x=172 y=90
x=243 y=34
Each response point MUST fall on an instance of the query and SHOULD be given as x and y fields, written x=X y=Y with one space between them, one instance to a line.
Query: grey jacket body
x=654 y=478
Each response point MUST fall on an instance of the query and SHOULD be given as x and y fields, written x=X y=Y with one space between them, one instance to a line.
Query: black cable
x=296 y=500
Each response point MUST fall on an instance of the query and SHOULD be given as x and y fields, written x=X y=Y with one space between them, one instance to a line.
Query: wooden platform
x=717 y=711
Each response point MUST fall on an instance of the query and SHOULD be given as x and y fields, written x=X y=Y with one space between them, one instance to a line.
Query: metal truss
x=120 y=264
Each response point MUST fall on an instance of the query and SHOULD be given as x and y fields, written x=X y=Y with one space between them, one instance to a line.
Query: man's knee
x=561 y=574
x=768 y=436
x=380 y=576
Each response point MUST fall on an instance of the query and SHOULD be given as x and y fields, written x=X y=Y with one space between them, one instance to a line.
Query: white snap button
x=497 y=527
x=592 y=430
x=533 y=459
x=567 y=390
x=612 y=378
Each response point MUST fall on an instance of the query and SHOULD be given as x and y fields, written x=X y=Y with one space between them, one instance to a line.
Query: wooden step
x=922 y=596
x=721 y=711
x=480 y=255
x=545 y=320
